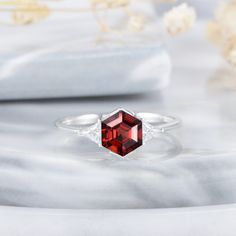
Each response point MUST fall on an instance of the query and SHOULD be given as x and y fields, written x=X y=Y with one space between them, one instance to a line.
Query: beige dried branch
x=30 y=13
x=135 y=22
x=110 y=3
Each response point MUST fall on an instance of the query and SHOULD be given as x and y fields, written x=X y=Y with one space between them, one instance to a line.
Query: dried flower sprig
x=222 y=30
x=135 y=21
x=178 y=20
x=25 y=12
x=30 y=13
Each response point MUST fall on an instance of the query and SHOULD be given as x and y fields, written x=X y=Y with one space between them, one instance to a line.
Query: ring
x=120 y=131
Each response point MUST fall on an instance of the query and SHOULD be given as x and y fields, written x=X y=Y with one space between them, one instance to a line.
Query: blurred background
x=62 y=58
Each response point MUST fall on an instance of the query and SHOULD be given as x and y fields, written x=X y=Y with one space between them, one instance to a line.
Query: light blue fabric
x=57 y=73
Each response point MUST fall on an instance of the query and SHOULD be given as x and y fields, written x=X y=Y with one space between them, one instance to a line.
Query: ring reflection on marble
x=121 y=131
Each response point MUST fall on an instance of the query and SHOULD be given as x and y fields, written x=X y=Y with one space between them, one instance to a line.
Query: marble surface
x=184 y=183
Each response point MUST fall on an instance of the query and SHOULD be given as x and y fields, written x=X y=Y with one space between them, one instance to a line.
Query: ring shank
x=161 y=122
x=78 y=123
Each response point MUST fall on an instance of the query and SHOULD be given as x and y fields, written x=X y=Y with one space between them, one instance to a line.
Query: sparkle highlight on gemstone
x=122 y=133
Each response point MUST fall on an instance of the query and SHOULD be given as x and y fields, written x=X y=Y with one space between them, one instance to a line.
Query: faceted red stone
x=122 y=133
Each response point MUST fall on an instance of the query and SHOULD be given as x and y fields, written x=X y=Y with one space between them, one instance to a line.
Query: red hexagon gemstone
x=122 y=133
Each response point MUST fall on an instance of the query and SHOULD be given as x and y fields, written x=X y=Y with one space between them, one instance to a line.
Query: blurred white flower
x=136 y=23
x=179 y=19
x=222 y=30
x=232 y=57
x=229 y=50
x=214 y=32
x=226 y=18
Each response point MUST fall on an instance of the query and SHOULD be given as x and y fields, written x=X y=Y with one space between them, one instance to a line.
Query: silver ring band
x=147 y=124
x=80 y=124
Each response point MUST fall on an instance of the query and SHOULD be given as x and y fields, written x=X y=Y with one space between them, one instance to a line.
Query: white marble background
x=52 y=185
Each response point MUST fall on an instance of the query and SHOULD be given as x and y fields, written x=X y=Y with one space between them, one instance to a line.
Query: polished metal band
x=84 y=123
